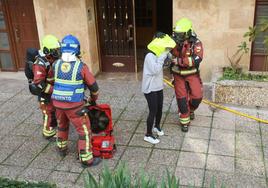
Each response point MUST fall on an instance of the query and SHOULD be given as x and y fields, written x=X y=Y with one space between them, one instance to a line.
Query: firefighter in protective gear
x=72 y=77
x=185 y=69
x=43 y=82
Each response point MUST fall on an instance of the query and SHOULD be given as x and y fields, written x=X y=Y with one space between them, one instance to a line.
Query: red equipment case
x=103 y=142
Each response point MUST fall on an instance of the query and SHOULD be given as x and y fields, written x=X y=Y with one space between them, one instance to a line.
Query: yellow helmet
x=183 y=26
x=50 y=42
x=159 y=45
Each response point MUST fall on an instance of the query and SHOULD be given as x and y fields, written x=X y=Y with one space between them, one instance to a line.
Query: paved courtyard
x=233 y=149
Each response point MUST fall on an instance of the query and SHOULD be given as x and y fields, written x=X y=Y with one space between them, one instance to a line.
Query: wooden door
x=6 y=55
x=116 y=35
x=24 y=30
x=145 y=21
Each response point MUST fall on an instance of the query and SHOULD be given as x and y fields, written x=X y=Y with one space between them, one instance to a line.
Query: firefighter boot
x=50 y=134
x=184 y=128
x=192 y=115
x=95 y=162
x=62 y=151
x=62 y=147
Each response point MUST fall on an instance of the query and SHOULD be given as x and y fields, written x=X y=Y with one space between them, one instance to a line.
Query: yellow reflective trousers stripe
x=87 y=139
x=61 y=144
x=185 y=120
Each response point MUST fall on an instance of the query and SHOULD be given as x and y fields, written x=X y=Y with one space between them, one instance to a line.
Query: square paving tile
x=248 y=139
x=10 y=172
x=250 y=153
x=220 y=134
x=221 y=163
x=172 y=130
x=164 y=157
x=220 y=179
x=25 y=129
x=12 y=142
x=192 y=160
x=4 y=153
x=195 y=145
x=34 y=174
x=132 y=114
x=70 y=163
x=170 y=142
x=201 y=121
x=243 y=180
x=116 y=112
x=223 y=123
x=27 y=152
x=224 y=114
x=203 y=110
x=119 y=151
x=36 y=118
x=190 y=176
x=247 y=126
x=221 y=147
x=142 y=127
x=136 y=154
x=96 y=171
x=123 y=137
x=198 y=132
x=158 y=172
x=137 y=140
x=47 y=159
x=128 y=126
x=63 y=179
x=250 y=167
x=172 y=118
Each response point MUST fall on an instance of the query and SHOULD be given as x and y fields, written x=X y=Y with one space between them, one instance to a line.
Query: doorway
x=125 y=27
x=18 y=32
x=151 y=16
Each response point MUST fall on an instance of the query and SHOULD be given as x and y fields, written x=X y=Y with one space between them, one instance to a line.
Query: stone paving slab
x=219 y=147
x=192 y=160
x=190 y=176
x=195 y=145
x=219 y=144
x=220 y=163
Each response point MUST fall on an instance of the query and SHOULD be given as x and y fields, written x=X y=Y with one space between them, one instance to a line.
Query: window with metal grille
x=261 y=14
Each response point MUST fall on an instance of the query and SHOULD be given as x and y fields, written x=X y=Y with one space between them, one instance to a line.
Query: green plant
x=235 y=59
x=121 y=178
x=231 y=74
x=8 y=183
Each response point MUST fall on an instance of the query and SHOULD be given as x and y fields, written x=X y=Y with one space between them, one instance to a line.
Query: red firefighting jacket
x=43 y=75
x=188 y=57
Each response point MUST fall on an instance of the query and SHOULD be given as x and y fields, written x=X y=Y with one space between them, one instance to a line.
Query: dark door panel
x=116 y=35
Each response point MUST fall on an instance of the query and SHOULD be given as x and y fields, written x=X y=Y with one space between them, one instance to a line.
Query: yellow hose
x=223 y=107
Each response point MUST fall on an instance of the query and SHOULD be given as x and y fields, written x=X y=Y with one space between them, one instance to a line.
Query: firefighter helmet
x=50 y=45
x=183 y=26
